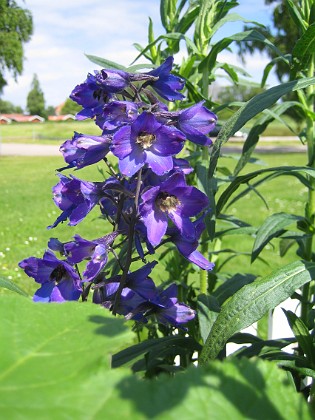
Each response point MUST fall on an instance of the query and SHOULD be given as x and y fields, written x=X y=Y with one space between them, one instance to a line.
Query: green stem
x=310 y=207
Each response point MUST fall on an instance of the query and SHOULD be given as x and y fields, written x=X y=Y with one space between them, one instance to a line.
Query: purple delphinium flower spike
x=96 y=251
x=116 y=114
x=167 y=85
x=59 y=281
x=174 y=200
x=84 y=150
x=195 y=122
x=188 y=248
x=146 y=141
x=75 y=198
x=165 y=308
x=139 y=288
x=96 y=91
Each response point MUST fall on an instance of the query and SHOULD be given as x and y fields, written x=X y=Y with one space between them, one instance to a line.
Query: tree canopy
x=16 y=28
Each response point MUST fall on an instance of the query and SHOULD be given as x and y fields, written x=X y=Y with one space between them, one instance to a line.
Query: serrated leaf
x=272 y=227
x=250 y=303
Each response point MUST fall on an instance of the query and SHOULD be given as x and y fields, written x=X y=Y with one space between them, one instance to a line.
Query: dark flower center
x=145 y=140
x=58 y=274
x=167 y=202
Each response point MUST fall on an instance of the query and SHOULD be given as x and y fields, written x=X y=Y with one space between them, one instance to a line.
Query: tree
x=50 y=110
x=6 y=107
x=240 y=93
x=284 y=35
x=16 y=28
x=35 y=99
x=70 y=107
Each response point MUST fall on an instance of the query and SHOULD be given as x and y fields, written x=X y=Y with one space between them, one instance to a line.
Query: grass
x=27 y=208
x=49 y=132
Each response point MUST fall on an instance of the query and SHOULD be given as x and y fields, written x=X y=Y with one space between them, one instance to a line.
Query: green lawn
x=49 y=132
x=27 y=209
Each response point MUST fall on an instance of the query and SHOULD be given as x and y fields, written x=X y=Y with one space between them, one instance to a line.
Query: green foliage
x=70 y=107
x=16 y=28
x=35 y=99
x=7 y=107
x=57 y=360
x=238 y=93
x=252 y=301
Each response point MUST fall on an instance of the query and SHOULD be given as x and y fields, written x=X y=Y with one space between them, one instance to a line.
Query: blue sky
x=64 y=30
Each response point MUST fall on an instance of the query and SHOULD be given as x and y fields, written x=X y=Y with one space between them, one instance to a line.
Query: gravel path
x=21 y=149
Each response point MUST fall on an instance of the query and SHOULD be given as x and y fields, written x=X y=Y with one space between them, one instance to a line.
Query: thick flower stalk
x=146 y=199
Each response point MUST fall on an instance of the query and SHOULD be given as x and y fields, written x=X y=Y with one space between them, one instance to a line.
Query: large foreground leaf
x=55 y=365
x=251 y=302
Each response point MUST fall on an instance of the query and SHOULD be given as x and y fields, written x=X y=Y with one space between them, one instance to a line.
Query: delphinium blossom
x=146 y=199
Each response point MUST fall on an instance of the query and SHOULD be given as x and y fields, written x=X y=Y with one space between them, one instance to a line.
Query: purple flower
x=138 y=289
x=59 y=281
x=165 y=308
x=167 y=85
x=116 y=114
x=146 y=141
x=97 y=90
x=188 y=248
x=96 y=251
x=75 y=198
x=84 y=150
x=195 y=122
x=174 y=200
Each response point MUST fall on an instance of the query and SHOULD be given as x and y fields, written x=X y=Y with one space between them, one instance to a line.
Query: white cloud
x=64 y=30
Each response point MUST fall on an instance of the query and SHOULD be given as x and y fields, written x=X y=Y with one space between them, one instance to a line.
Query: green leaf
x=207 y=310
x=243 y=179
x=306 y=44
x=49 y=347
x=106 y=64
x=55 y=365
x=233 y=17
x=132 y=353
x=232 y=390
x=302 y=335
x=253 y=107
x=296 y=15
x=10 y=285
x=231 y=286
x=224 y=43
x=151 y=37
x=272 y=227
x=255 y=132
x=250 y=303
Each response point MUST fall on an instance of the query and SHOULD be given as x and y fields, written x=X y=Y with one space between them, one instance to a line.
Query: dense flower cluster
x=147 y=202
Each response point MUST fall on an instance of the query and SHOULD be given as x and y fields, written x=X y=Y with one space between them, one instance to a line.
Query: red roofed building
x=8 y=118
